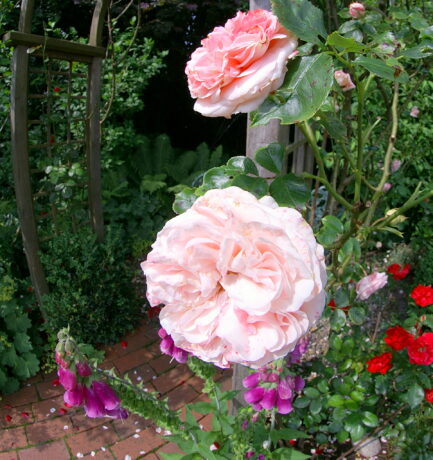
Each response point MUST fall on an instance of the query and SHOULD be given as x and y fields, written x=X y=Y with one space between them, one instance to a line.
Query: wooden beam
x=26 y=15
x=21 y=170
x=54 y=44
x=93 y=146
x=95 y=37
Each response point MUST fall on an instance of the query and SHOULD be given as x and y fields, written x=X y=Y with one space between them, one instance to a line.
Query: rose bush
x=238 y=65
x=242 y=279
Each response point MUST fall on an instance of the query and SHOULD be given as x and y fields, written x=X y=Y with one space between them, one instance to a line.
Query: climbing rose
x=356 y=10
x=398 y=338
x=344 y=81
x=398 y=272
x=380 y=364
x=428 y=395
x=242 y=279
x=370 y=284
x=239 y=64
x=420 y=351
x=395 y=165
x=414 y=112
x=422 y=295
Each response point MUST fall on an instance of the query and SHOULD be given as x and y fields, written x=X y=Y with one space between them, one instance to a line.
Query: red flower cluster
x=422 y=295
x=380 y=364
x=420 y=350
x=398 y=338
x=398 y=272
x=428 y=395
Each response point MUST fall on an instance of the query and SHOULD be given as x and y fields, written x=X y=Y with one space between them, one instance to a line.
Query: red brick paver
x=42 y=428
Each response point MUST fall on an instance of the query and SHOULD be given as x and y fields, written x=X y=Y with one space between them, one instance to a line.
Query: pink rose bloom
x=370 y=284
x=395 y=165
x=386 y=186
x=344 y=81
x=242 y=279
x=414 y=111
x=357 y=10
x=239 y=64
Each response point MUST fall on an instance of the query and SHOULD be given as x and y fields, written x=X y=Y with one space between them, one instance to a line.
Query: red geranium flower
x=380 y=364
x=428 y=395
x=398 y=338
x=422 y=295
x=398 y=272
x=56 y=89
x=420 y=351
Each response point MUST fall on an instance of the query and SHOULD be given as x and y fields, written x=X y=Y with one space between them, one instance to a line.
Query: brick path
x=35 y=424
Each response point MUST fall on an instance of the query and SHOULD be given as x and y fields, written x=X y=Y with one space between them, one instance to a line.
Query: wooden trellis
x=53 y=60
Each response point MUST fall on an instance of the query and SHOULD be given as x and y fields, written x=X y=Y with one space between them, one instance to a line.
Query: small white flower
x=213 y=447
x=93 y=453
x=104 y=427
x=142 y=452
x=80 y=455
x=266 y=444
x=136 y=435
x=139 y=378
x=167 y=433
x=158 y=429
x=137 y=430
x=52 y=410
x=103 y=449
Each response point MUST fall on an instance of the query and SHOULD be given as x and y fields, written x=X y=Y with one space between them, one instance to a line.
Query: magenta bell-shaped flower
x=119 y=413
x=181 y=356
x=60 y=361
x=84 y=369
x=67 y=378
x=93 y=405
x=269 y=399
x=284 y=406
x=168 y=347
x=106 y=395
x=252 y=380
x=254 y=395
x=75 y=397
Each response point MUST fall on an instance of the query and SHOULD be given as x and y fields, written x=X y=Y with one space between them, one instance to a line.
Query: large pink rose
x=239 y=64
x=242 y=279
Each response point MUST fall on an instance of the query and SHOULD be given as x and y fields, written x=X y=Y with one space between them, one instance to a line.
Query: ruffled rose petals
x=398 y=272
x=380 y=364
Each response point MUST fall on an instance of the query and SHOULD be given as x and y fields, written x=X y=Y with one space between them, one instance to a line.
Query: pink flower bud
x=74 y=397
x=67 y=378
x=357 y=10
x=386 y=186
x=252 y=380
x=60 y=361
x=414 y=111
x=344 y=81
x=370 y=284
x=395 y=165
x=106 y=395
x=84 y=369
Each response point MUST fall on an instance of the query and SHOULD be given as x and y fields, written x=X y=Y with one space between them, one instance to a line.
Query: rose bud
x=344 y=81
x=357 y=10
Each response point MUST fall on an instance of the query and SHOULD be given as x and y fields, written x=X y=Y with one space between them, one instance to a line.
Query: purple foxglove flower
x=298 y=383
x=167 y=345
x=285 y=388
x=284 y=406
x=273 y=377
x=84 y=369
x=106 y=395
x=245 y=424
x=67 y=378
x=181 y=356
x=119 y=413
x=249 y=454
x=299 y=350
x=162 y=333
x=60 y=361
x=269 y=399
x=254 y=395
x=260 y=457
x=93 y=406
x=257 y=406
x=252 y=380
x=74 y=397
x=255 y=417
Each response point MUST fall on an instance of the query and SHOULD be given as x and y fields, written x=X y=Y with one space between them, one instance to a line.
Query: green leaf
x=415 y=395
x=370 y=419
x=420 y=51
x=255 y=185
x=290 y=190
x=284 y=453
x=203 y=407
x=242 y=164
x=338 y=320
x=335 y=127
x=9 y=357
x=336 y=401
x=22 y=342
x=311 y=393
x=17 y=323
x=190 y=419
x=342 y=436
x=218 y=177
x=184 y=200
x=343 y=43
x=302 y=18
x=331 y=229
x=305 y=88
x=271 y=157
x=316 y=406
x=357 y=315
x=357 y=433
x=300 y=403
x=379 y=68
x=287 y=434
x=27 y=365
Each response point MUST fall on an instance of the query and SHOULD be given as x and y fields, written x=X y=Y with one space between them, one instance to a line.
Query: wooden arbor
x=51 y=51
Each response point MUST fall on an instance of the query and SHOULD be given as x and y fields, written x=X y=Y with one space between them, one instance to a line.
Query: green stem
x=311 y=139
x=388 y=156
x=360 y=148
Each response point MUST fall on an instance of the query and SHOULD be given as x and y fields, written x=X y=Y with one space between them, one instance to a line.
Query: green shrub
x=90 y=286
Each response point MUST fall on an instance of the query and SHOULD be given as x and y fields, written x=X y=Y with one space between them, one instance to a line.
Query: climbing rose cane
x=239 y=64
x=242 y=279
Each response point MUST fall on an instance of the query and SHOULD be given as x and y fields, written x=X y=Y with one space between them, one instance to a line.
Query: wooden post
x=257 y=137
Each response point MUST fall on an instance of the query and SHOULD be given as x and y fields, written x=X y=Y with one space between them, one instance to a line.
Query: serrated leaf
x=255 y=185
x=17 y=323
x=242 y=164
x=290 y=190
x=306 y=86
x=343 y=43
x=302 y=18
x=271 y=157
x=22 y=342
x=379 y=68
x=331 y=229
x=184 y=200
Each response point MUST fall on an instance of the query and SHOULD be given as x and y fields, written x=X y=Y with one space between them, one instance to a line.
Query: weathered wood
x=303 y=156
x=93 y=147
x=26 y=14
x=54 y=44
x=95 y=37
x=21 y=170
